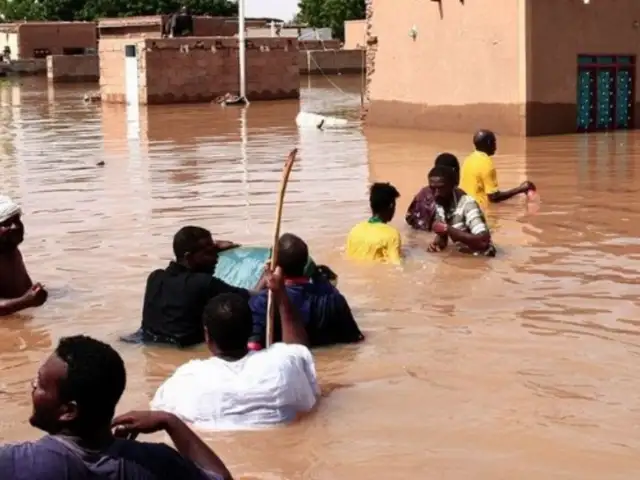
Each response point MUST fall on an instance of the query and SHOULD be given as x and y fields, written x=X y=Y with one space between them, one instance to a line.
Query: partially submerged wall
x=184 y=70
x=459 y=70
x=73 y=68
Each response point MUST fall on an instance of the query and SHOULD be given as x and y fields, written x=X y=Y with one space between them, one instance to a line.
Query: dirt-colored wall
x=561 y=30
x=73 y=68
x=331 y=62
x=355 y=33
x=462 y=70
x=55 y=36
x=183 y=70
x=203 y=70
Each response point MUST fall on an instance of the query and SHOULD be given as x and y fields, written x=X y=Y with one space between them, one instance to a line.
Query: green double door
x=605 y=96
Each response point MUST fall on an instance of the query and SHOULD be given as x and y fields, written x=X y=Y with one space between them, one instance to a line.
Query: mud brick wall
x=73 y=68
x=55 y=37
x=184 y=70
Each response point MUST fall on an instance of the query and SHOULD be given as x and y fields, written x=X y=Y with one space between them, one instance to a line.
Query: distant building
x=40 y=39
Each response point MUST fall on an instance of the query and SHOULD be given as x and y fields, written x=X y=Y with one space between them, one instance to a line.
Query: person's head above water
x=485 y=141
x=451 y=161
x=78 y=387
x=442 y=181
x=227 y=325
x=194 y=248
x=293 y=255
x=382 y=200
x=11 y=227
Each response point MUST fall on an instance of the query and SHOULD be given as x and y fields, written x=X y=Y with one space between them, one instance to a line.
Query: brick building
x=40 y=39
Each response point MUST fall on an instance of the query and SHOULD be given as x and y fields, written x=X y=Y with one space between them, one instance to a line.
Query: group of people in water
x=241 y=384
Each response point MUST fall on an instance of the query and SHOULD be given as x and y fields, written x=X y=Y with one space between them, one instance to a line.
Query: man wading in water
x=478 y=176
x=16 y=288
x=74 y=398
x=458 y=217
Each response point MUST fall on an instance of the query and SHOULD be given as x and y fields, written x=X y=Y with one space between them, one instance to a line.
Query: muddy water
x=523 y=366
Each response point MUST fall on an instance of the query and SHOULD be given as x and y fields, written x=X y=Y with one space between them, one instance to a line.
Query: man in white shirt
x=236 y=388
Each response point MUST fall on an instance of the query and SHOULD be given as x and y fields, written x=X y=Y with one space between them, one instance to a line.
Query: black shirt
x=175 y=299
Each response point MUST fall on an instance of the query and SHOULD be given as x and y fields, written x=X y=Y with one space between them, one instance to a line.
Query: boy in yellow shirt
x=374 y=239
x=478 y=177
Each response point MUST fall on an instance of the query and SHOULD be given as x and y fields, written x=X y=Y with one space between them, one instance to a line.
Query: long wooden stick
x=276 y=236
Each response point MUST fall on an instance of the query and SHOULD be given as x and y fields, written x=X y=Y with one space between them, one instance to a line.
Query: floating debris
x=230 y=100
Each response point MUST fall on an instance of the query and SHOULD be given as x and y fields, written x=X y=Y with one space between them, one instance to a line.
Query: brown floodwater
x=522 y=366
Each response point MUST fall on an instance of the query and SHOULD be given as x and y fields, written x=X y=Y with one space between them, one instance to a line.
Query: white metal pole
x=242 y=49
x=244 y=142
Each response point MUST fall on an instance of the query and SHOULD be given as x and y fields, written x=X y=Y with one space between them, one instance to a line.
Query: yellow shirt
x=375 y=241
x=478 y=178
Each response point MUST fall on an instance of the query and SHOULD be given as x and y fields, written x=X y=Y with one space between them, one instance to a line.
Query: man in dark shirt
x=176 y=296
x=180 y=24
x=324 y=310
x=74 y=399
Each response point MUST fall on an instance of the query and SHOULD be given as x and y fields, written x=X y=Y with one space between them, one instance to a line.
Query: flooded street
x=519 y=367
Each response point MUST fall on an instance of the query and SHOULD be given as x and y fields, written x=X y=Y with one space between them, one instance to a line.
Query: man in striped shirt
x=458 y=217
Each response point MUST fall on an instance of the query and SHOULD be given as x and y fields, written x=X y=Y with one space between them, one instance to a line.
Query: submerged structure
x=519 y=67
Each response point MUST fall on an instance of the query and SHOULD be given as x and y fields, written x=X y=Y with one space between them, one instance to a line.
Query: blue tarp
x=243 y=266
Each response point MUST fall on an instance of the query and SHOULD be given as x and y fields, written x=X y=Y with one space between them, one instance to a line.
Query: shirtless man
x=17 y=291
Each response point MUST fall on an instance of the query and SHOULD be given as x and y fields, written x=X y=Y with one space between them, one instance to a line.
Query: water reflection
x=520 y=366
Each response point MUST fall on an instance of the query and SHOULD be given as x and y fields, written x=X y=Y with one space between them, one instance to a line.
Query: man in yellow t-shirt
x=478 y=177
x=374 y=239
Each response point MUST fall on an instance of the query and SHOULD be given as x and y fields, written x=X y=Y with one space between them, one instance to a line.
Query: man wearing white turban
x=17 y=291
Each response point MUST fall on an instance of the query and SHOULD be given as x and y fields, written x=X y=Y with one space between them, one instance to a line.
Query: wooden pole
x=276 y=236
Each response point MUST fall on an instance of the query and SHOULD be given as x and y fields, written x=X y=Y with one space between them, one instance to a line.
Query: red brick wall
x=181 y=70
x=55 y=36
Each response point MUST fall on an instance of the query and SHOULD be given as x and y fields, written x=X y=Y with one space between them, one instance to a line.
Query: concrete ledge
x=331 y=62
x=169 y=98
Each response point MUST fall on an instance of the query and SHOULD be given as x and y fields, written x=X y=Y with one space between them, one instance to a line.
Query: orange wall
x=515 y=72
x=462 y=68
x=448 y=62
